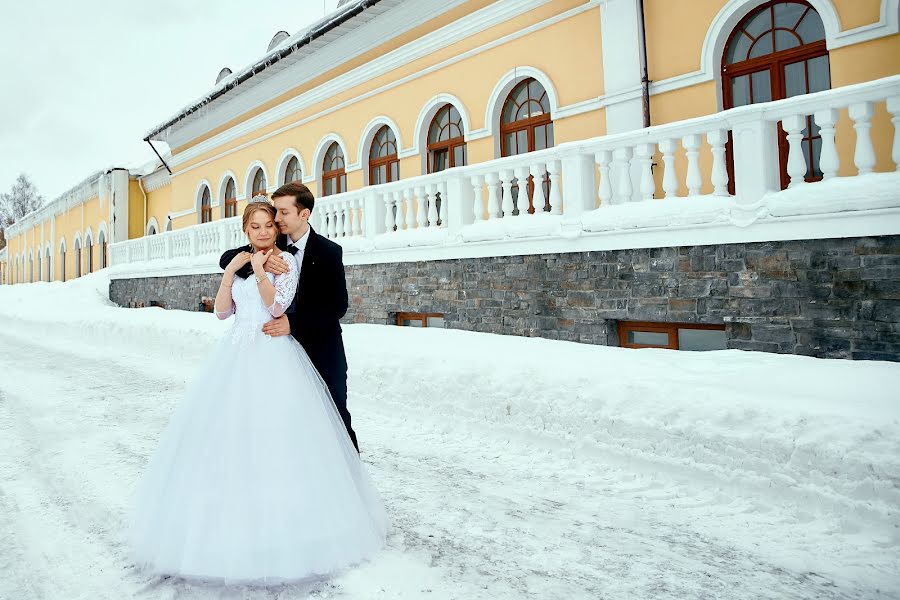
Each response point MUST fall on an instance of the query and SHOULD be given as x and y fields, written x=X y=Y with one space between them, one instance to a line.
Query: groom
x=321 y=300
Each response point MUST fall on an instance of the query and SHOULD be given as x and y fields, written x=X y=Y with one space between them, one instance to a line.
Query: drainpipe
x=645 y=81
x=147 y=139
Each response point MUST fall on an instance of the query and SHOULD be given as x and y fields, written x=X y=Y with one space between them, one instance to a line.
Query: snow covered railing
x=667 y=176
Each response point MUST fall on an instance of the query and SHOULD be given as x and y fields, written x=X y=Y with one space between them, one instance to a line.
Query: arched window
x=169 y=224
x=40 y=270
x=526 y=126
x=101 y=240
x=89 y=253
x=259 y=183
x=31 y=268
x=77 y=258
x=62 y=262
x=446 y=141
x=151 y=229
x=776 y=52
x=230 y=199
x=205 y=206
x=334 y=178
x=292 y=171
x=384 y=166
x=48 y=276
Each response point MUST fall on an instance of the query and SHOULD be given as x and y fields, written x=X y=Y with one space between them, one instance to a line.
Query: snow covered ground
x=511 y=468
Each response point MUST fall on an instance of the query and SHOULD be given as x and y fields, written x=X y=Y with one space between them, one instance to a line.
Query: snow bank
x=825 y=433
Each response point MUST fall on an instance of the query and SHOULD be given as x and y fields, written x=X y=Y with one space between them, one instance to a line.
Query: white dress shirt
x=300 y=245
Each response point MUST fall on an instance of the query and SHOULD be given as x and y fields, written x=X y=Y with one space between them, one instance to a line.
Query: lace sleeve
x=227 y=313
x=285 y=286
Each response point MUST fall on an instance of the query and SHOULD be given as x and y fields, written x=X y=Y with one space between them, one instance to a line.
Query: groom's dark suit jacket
x=320 y=302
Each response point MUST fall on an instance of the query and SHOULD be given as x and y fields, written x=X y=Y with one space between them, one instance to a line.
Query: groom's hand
x=276 y=327
x=275 y=265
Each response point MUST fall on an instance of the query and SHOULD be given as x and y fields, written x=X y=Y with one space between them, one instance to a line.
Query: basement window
x=674 y=336
x=410 y=319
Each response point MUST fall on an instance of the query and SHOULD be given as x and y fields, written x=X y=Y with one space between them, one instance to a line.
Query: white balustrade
x=608 y=173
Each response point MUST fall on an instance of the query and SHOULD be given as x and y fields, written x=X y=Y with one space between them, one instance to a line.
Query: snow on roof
x=344 y=12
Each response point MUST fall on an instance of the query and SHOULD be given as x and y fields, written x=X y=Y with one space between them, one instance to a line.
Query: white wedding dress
x=255 y=479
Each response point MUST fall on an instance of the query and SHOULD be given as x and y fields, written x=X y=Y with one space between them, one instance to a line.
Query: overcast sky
x=82 y=82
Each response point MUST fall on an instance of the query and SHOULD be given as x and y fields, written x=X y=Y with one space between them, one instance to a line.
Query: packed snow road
x=478 y=511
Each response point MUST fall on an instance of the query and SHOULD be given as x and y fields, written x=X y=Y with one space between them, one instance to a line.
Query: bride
x=255 y=479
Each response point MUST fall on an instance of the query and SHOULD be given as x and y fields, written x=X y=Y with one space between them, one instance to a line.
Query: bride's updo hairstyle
x=257 y=203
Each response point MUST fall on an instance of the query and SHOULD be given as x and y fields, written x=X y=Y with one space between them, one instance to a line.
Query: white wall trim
x=283 y=160
x=248 y=178
x=369 y=131
x=319 y=158
x=88 y=237
x=501 y=91
x=101 y=228
x=62 y=243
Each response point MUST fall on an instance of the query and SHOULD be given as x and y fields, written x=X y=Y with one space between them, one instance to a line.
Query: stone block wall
x=836 y=298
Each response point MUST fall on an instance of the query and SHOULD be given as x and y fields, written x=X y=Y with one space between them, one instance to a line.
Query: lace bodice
x=247 y=305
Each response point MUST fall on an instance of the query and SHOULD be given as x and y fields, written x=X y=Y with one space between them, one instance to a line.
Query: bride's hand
x=259 y=259
x=239 y=260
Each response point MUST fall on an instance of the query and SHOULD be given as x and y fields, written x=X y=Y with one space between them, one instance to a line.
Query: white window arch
x=501 y=92
x=152 y=226
x=319 y=157
x=228 y=195
x=290 y=157
x=256 y=167
x=365 y=142
x=426 y=116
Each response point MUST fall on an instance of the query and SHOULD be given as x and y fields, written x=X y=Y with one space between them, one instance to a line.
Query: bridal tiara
x=260 y=198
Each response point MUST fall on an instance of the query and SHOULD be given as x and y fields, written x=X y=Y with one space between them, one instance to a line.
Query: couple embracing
x=257 y=477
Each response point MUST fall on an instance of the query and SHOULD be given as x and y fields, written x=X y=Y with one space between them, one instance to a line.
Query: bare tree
x=21 y=199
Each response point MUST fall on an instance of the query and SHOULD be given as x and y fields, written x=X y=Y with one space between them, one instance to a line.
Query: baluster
x=360 y=212
x=442 y=211
x=603 y=159
x=555 y=183
x=624 y=191
x=522 y=196
x=645 y=155
x=398 y=218
x=421 y=212
x=388 y=212
x=829 y=161
x=493 y=184
x=717 y=139
x=332 y=220
x=339 y=222
x=539 y=200
x=477 y=182
x=432 y=205
x=409 y=205
x=508 y=206
x=694 y=179
x=670 y=176
x=893 y=107
x=796 y=164
x=353 y=225
x=864 y=156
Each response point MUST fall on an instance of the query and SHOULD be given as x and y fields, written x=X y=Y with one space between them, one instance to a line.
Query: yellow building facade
x=400 y=88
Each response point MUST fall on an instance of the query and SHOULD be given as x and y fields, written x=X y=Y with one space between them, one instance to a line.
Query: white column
x=432 y=205
x=555 y=183
x=716 y=140
x=493 y=184
x=829 y=161
x=864 y=156
x=624 y=190
x=522 y=199
x=694 y=179
x=538 y=171
x=398 y=217
x=645 y=155
x=619 y=36
x=477 y=182
x=893 y=107
x=421 y=211
x=796 y=163
x=670 y=177
x=410 y=211
x=605 y=191
x=755 y=158
x=444 y=189
x=507 y=177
